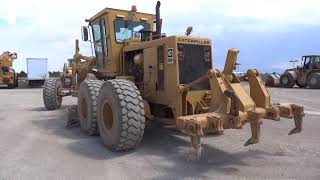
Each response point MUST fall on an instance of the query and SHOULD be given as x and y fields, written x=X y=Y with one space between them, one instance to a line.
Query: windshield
x=125 y=29
x=317 y=60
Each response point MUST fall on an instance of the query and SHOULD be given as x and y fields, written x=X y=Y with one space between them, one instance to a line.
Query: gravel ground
x=36 y=145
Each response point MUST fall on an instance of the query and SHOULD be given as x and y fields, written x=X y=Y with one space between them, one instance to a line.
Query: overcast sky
x=268 y=33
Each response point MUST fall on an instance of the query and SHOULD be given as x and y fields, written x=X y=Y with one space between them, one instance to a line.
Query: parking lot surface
x=34 y=144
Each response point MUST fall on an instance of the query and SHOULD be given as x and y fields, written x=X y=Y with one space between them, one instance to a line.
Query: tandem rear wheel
x=51 y=94
x=120 y=115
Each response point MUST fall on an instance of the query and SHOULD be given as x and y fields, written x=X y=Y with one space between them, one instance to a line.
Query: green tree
x=54 y=74
x=22 y=74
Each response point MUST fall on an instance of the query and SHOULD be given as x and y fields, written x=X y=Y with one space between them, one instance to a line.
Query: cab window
x=96 y=31
x=125 y=29
x=307 y=61
x=317 y=60
x=100 y=42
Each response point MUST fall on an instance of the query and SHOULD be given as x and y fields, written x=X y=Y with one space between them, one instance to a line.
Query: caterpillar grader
x=8 y=76
x=66 y=78
x=140 y=75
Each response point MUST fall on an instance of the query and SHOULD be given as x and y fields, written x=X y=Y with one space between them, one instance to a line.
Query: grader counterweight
x=140 y=75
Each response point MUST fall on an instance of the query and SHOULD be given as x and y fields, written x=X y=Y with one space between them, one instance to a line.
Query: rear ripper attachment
x=232 y=107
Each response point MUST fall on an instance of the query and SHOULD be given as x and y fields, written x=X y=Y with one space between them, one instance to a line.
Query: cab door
x=100 y=42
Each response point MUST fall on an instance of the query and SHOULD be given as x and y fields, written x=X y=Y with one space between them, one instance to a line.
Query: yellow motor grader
x=8 y=76
x=67 y=74
x=139 y=74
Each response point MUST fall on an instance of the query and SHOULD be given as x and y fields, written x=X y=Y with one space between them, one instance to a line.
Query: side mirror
x=85 y=33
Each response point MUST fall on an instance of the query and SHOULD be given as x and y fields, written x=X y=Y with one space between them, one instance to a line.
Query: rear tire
x=87 y=106
x=16 y=80
x=12 y=85
x=51 y=98
x=121 y=115
x=314 y=81
x=287 y=80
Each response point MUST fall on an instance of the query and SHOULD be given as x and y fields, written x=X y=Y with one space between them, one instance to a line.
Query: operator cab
x=110 y=29
x=311 y=62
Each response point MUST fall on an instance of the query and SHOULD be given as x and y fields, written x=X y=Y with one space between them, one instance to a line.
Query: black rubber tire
x=289 y=83
x=16 y=80
x=314 y=77
x=300 y=85
x=87 y=106
x=11 y=86
x=124 y=129
x=51 y=98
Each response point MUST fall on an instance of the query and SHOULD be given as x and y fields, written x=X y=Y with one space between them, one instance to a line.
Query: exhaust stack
x=158 y=21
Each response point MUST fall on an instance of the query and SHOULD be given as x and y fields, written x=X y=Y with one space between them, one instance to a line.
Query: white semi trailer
x=37 y=69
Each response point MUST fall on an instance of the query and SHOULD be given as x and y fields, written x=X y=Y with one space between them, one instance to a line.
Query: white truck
x=37 y=70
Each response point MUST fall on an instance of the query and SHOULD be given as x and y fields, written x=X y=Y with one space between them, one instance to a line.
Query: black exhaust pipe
x=158 y=21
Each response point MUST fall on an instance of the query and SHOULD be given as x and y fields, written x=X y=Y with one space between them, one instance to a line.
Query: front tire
x=51 y=98
x=314 y=81
x=287 y=80
x=121 y=115
x=87 y=106
x=16 y=80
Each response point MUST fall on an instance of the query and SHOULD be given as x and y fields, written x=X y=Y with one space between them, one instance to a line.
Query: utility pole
x=293 y=62
x=238 y=64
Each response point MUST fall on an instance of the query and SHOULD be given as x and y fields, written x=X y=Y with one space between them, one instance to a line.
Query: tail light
x=180 y=52
x=207 y=54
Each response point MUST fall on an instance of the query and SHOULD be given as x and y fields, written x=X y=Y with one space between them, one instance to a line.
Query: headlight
x=207 y=54
x=180 y=52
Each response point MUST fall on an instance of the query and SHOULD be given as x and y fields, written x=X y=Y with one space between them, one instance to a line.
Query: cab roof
x=112 y=10
x=311 y=56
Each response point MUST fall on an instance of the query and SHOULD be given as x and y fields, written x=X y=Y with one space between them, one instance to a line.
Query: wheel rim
x=285 y=80
x=84 y=108
x=107 y=116
x=313 y=81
